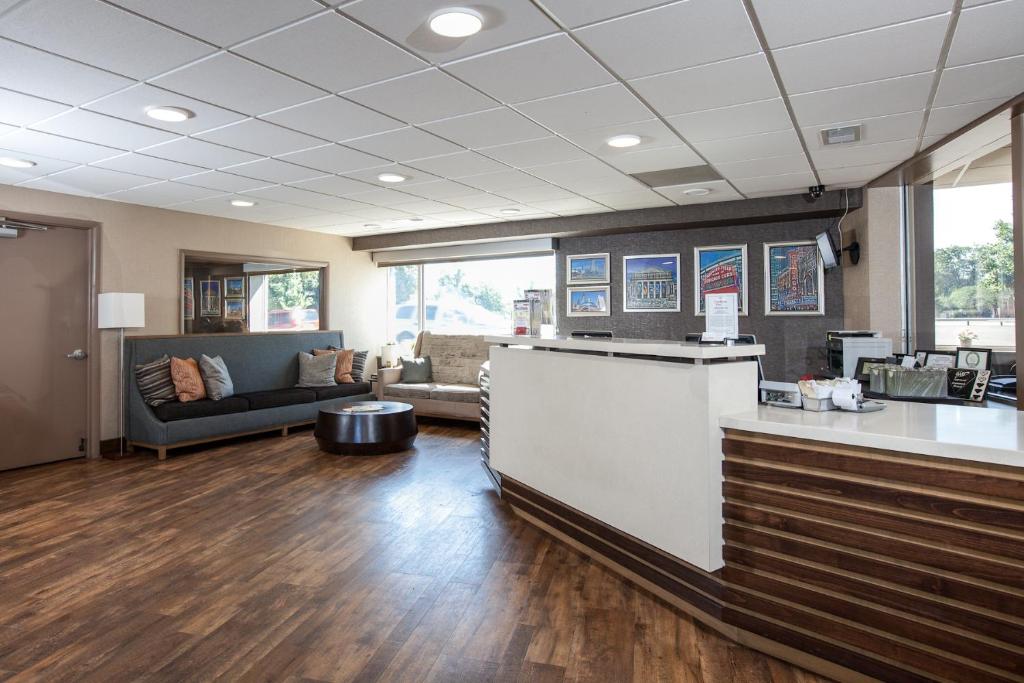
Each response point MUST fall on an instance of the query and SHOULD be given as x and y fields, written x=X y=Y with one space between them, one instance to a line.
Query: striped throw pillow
x=155 y=383
x=359 y=365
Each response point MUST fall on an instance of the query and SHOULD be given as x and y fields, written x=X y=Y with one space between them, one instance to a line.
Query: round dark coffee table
x=389 y=430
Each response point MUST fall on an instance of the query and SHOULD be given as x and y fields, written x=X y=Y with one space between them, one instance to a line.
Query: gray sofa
x=264 y=369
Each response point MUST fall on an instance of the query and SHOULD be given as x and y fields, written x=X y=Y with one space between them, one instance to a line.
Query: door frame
x=92 y=337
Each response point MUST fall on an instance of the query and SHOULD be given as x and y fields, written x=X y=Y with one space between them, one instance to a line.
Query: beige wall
x=139 y=253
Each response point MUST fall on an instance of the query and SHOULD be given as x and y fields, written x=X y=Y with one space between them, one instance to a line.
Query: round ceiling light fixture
x=697 y=192
x=510 y=212
x=11 y=162
x=391 y=178
x=456 y=22
x=626 y=140
x=243 y=202
x=170 y=114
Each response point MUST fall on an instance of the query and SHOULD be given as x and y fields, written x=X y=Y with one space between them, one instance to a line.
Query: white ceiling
x=300 y=104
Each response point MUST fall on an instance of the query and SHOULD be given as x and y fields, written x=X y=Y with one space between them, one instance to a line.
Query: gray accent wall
x=795 y=344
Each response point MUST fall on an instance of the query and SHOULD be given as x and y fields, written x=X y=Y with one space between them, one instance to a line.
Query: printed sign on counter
x=722 y=316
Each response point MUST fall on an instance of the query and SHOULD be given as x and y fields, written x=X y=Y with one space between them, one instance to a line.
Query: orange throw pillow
x=188 y=382
x=343 y=371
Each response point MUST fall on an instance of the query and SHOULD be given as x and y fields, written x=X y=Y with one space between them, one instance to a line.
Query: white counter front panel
x=632 y=442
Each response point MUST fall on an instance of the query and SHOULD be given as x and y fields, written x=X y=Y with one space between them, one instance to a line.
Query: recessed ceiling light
x=510 y=211
x=242 y=202
x=391 y=178
x=456 y=22
x=11 y=162
x=696 y=192
x=169 y=114
x=627 y=140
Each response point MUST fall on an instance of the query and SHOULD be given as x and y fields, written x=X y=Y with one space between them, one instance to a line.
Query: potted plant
x=967 y=336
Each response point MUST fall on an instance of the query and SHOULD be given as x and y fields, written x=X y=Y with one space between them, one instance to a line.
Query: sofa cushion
x=154 y=381
x=275 y=398
x=216 y=377
x=317 y=371
x=456 y=357
x=416 y=370
x=404 y=390
x=460 y=393
x=171 y=412
x=343 y=390
x=188 y=382
x=343 y=370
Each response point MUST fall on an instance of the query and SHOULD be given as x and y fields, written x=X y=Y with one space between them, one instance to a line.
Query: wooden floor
x=266 y=560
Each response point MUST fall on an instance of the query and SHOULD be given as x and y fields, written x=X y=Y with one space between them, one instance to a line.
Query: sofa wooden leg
x=284 y=431
x=161 y=453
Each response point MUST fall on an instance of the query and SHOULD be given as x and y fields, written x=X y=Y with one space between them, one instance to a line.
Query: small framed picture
x=864 y=365
x=650 y=283
x=794 y=279
x=720 y=270
x=234 y=287
x=940 y=359
x=584 y=302
x=234 y=309
x=970 y=358
x=209 y=298
x=587 y=269
x=921 y=356
x=188 y=298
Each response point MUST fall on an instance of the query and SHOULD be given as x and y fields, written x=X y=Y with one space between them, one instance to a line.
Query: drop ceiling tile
x=530 y=71
x=486 y=129
x=1001 y=78
x=776 y=183
x=653 y=134
x=657 y=159
x=945 y=120
x=131 y=105
x=320 y=221
x=501 y=180
x=101 y=35
x=874 y=130
x=574 y=13
x=458 y=165
x=333 y=185
x=289 y=194
x=48 y=184
x=260 y=137
x=403 y=144
x=777 y=144
x=333 y=118
x=840 y=156
x=441 y=190
x=462 y=217
x=41 y=74
x=586 y=176
x=44 y=166
x=853 y=175
x=481 y=200
x=405 y=21
x=322 y=50
x=226 y=182
x=96 y=180
x=537 y=193
x=423 y=96
x=720 y=192
x=521 y=211
x=56 y=147
x=274 y=171
x=413 y=176
x=4 y=129
x=866 y=100
x=788 y=22
x=636 y=199
x=988 y=32
x=535 y=152
x=152 y=167
x=104 y=130
x=674 y=36
x=382 y=197
x=899 y=50
x=199 y=153
x=736 y=81
x=606 y=105
x=334 y=159
x=741 y=119
x=224 y=22
x=231 y=82
x=163 y=194
x=756 y=168
x=425 y=207
x=379 y=214
x=569 y=206
x=24 y=110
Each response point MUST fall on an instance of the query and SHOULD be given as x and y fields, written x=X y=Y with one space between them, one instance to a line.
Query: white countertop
x=638 y=347
x=977 y=434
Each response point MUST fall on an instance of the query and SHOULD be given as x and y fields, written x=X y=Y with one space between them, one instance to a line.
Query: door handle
x=78 y=354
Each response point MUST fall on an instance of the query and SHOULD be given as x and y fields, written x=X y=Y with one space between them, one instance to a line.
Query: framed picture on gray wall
x=650 y=283
x=794 y=279
x=721 y=269
x=587 y=269
x=583 y=302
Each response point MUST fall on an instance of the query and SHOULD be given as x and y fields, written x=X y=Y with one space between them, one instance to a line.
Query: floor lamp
x=120 y=310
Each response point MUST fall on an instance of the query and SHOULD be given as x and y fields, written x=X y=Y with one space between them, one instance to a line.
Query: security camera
x=815 y=191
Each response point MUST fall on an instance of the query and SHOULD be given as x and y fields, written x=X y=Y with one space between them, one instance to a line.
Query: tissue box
x=818 y=405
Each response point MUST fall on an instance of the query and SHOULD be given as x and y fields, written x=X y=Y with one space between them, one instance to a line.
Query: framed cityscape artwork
x=720 y=270
x=234 y=309
x=209 y=298
x=581 y=302
x=794 y=279
x=188 y=299
x=234 y=286
x=650 y=283
x=587 y=269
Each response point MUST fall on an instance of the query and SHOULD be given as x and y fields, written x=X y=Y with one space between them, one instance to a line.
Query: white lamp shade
x=122 y=309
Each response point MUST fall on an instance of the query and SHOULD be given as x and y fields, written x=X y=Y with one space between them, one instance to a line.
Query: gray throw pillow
x=317 y=371
x=216 y=377
x=416 y=370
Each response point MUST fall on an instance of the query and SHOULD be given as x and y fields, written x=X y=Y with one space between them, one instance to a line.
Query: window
x=463 y=297
x=285 y=301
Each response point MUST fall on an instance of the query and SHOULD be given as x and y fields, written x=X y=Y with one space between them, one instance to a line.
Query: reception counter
x=885 y=546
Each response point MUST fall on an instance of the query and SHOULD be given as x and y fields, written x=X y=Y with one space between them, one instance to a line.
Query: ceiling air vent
x=840 y=136
x=677 y=176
